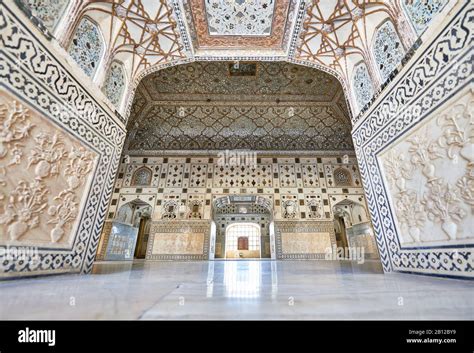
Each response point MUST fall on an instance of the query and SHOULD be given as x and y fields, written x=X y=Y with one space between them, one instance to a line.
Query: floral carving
x=62 y=213
x=15 y=126
x=47 y=155
x=411 y=213
x=398 y=170
x=79 y=165
x=423 y=151
x=442 y=205
x=23 y=208
x=456 y=138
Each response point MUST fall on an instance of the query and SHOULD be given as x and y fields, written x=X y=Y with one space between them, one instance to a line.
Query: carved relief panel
x=44 y=175
x=430 y=174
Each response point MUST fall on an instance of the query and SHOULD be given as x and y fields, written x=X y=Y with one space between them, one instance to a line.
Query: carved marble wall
x=59 y=152
x=430 y=177
x=44 y=176
x=415 y=148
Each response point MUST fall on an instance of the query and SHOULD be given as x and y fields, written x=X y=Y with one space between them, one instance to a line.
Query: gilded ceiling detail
x=199 y=106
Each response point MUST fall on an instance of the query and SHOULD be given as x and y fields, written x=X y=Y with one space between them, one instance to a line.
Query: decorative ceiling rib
x=330 y=35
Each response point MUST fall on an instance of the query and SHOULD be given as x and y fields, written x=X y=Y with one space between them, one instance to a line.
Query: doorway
x=242 y=241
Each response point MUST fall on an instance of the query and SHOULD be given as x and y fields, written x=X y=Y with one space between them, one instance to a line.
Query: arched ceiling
x=258 y=106
x=331 y=35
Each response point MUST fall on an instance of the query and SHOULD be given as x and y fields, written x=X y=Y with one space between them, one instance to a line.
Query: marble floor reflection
x=237 y=289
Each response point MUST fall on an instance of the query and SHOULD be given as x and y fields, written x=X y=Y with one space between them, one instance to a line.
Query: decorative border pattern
x=442 y=70
x=25 y=62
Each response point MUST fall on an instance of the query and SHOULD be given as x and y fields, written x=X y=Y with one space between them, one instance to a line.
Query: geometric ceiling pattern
x=240 y=18
x=202 y=106
x=334 y=36
x=238 y=24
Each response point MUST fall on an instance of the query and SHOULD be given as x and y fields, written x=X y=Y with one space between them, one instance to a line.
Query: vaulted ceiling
x=257 y=106
x=335 y=36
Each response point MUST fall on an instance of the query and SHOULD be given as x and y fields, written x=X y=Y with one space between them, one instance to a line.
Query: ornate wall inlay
x=114 y=85
x=430 y=173
x=199 y=106
x=420 y=12
x=422 y=227
x=59 y=176
x=238 y=24
x=362 y=85
x=48 y=11
x=388 y=49
x=87 y=46
x=285 y=189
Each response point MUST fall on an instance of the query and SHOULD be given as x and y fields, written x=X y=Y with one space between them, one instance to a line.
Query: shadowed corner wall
x=415 y=151
x=59 y=153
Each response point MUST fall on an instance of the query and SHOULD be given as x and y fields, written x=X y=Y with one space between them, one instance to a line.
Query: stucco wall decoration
x=415 y=152
x=59 y=154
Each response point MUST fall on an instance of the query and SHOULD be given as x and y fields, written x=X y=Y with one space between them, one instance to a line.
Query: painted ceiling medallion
x=240 y=17
x=227 y=24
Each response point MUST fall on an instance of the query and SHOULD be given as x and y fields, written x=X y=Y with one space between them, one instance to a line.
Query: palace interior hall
x=236 y=159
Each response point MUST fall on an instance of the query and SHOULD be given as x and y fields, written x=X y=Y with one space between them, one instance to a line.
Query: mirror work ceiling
x=221 y=105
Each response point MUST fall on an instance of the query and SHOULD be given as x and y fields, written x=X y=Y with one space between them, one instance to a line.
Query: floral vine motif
x=466 y=185
x=456 y=137
x=441 y=203
x=398 y=170
x=14 y=126
x=411 y=214
x=79 y=165
x=23 y=208
x=423 y=152
x=62 y=213
x=47 y=155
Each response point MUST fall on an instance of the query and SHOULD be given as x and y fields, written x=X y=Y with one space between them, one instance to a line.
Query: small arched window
x=87 y=46
x=142 y=177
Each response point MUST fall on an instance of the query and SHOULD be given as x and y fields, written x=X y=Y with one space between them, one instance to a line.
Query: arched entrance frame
x=252 y=199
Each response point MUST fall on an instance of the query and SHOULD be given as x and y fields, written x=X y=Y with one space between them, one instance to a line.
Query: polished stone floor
x=327 y=290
